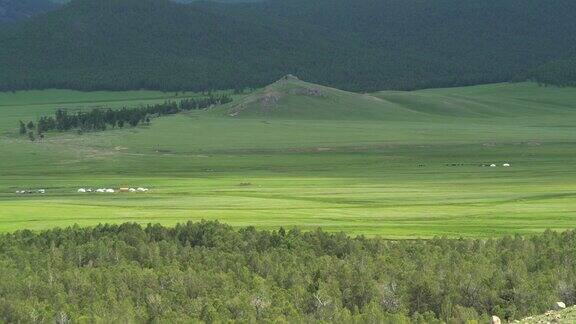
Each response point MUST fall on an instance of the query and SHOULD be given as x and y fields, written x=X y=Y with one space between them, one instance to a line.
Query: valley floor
x=395 y=178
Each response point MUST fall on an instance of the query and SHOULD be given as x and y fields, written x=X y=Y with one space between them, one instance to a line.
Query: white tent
x=506 y=165
x=110 y=191
x=81 y=190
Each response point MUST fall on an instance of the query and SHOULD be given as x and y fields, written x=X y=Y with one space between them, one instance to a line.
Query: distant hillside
x=354 y=45
x=16 y=10
x=154 y=44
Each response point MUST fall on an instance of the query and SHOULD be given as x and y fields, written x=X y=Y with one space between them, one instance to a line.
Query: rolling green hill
x=291 y=98
x=521 y=100
x=368 y=45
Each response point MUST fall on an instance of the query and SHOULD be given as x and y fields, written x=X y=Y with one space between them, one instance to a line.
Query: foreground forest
x=210 y=272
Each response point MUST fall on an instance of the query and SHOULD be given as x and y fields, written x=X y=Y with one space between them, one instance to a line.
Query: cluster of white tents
x=506 y=165
x=110 y=190
x=30 y=192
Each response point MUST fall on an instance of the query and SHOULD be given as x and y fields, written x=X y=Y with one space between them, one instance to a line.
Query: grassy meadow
x=396 y=164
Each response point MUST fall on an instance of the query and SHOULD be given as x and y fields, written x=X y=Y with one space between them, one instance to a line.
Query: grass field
x=378 y=164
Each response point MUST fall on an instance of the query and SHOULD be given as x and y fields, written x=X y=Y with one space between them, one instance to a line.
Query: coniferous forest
x=210 y=272
x=101 y=119
x=353 y=45
x=560 y=73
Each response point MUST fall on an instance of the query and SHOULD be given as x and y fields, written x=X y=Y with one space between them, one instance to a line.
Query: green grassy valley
x=396 y=164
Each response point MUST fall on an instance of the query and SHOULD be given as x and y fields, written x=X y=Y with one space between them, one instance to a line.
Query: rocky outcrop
x=559 y=306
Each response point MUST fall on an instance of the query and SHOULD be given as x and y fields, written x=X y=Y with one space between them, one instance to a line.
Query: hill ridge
x=291 y=97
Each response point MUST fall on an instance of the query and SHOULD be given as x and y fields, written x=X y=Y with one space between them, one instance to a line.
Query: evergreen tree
x=22 y=128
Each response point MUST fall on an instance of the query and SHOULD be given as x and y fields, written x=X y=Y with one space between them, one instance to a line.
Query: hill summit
x=291 y=98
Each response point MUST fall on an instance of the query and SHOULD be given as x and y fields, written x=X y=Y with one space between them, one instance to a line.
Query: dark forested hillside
x=444 y=42
x=560 y=72
x=355 y=45
x=16 y=10
x=210 y=272
x=156 y=44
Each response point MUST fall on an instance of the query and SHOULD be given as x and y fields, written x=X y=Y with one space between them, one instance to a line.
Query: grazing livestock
x=110 y=190
x=30 y=192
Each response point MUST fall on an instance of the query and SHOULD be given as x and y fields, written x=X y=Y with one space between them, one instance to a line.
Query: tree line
x=101 y=119
x=213 y=273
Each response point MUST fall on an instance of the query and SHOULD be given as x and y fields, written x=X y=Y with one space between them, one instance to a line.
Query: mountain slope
x=155 y=44
x=445 y=42
x=16 y=10
x=354 y=45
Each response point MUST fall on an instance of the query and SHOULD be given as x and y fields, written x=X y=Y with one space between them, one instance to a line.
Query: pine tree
x=22 y=128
